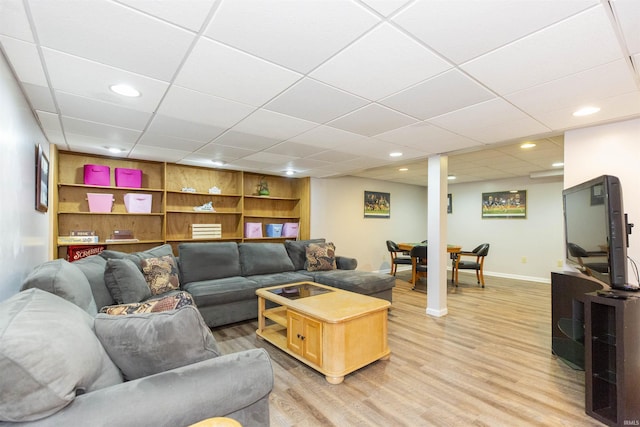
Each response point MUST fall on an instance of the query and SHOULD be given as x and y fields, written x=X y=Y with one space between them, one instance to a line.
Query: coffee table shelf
x=277 y=314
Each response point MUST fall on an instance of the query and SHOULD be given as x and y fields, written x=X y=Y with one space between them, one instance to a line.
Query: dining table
x=452 y=250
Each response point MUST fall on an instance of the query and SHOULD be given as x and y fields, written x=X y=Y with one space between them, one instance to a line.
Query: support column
x=437 y=236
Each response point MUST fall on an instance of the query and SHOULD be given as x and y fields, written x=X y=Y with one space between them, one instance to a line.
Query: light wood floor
x=487 y=363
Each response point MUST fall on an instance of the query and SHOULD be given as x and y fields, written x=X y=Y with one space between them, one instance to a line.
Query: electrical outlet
x=524 y=259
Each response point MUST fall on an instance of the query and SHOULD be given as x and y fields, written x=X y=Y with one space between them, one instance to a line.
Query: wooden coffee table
x=331 y=330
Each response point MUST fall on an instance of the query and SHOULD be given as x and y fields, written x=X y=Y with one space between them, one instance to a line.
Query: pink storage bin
x=137 y=202
x=131 y=178
x=97 y=175
x=290 y=229
x=99 y=202
x=252 y=229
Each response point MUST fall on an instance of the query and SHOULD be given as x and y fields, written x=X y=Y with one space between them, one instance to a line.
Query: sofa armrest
x=179 y=397
x=346 y=263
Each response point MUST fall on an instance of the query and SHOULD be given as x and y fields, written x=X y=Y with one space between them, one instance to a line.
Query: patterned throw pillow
x=321 y=256
x=155 y=305
x=161 y=274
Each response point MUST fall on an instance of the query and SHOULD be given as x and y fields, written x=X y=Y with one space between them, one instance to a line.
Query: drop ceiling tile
x=271 y=158
x=273 y=125
x=170 y=126
x=298 y=35
x=24 y=60
x=14 y=21
x=299 y=165
x=462 y=30
x=92 y=80
x=576 y=90
x=627 y=13
x=192 y=106
x=379 y=64
x=490 y=121
x=226 y=72
x=429 y=138
x=246 y=141
x=382 y=150
x=50 y=124
x=40 y=97
x=294 y=149
x=333 y=156
x=314 y=101
x=137 y=42
x=326 y=137
x=165 y=141
x=191 y=17
x=95 y=145
x=372 y=120
x=157 y=154
x=98 y=131
x=449 y=91
x=101 y=112
x=386 y=7
x=223 y=153
x=576 y=44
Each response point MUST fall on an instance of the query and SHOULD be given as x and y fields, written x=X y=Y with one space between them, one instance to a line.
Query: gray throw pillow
x=64 y=279
x=149 y=343
x=297 y=250
x=48 y=354
x=93 y=268
x=125 y=281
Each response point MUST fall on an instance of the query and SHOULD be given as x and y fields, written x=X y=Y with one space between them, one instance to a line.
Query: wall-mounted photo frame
x=42 y=180
x=504 y=204
x=449 y=203
x=377 y=204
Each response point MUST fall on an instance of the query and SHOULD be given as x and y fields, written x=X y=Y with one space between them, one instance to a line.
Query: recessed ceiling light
x=125 y=90
x=403 y=169
x=395 y=154
x=114 y=150
x=557 y=164
x=218 y=162
x=451 y=177
x=528 y=145
x=586 y=111
x=289 y=172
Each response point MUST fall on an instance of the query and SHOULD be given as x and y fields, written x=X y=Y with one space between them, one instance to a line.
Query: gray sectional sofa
x=223 y=277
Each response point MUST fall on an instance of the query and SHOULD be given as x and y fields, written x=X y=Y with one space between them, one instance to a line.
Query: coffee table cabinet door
x=304 y=337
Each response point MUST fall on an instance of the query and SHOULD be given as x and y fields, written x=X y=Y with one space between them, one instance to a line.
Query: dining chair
x=418 y=262
x=479 y=253
x=394 y=250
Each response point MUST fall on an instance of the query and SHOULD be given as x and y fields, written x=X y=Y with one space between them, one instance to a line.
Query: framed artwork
x=377 y=205
x=504 y=204
x=449 y=203
x=42 y=180
x=597 y=195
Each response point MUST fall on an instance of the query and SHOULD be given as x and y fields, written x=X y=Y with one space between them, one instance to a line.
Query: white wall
x=337 y=214
x=612 y=149
x=25 y=231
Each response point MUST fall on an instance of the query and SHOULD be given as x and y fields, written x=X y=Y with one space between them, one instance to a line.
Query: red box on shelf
x=75 y=253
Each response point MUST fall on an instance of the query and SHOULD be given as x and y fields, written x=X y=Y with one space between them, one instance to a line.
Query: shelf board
x=102 y=242
x=110 y=213
x=200 y=193
x=277 y=314
x=202 y=212
x=272 y=216
x=111 y=187
x=292 y=199
x=217 y=239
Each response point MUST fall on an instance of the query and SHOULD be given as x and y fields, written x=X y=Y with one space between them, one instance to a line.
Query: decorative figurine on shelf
x=215 y=190
x=207 y=207
x=263 y=187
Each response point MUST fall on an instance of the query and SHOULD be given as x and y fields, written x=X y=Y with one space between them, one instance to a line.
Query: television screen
x=595 y=230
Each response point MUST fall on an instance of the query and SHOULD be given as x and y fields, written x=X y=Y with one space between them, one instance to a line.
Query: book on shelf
x=122 y=234
x=120 y=240
x=64 y=240
x=75 y=253
x=82 y=233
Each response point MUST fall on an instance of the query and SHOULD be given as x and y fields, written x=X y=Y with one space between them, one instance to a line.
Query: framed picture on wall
x=377 y=204
x=42 y=180
x=449 y=203
x=504 y=204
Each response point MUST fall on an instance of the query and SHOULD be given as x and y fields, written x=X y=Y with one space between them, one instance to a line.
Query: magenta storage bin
x=137 y=202
x=97 y=175
x=290 y=229
x=99 y=202
x=252 y=229
x=131 y=178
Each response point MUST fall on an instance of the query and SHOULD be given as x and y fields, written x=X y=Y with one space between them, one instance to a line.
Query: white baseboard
x=486 y=273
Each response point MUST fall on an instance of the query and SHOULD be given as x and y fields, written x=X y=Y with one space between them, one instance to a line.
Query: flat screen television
x=596 y=230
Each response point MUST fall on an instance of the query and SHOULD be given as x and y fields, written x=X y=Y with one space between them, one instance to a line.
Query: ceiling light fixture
x=125 y=90
x=395 y=154
x=528 y=145
x=585 y=111
x=289 y=172
x=403 y=169
x=451 y=177
x=557 y=164
x=218 y=162
x=114 y=150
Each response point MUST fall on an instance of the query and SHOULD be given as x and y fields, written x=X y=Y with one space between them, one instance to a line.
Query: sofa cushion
x=161 y=274
x=297 y=250
x=206 y=261
x=149 y=343
x=166 y=302
x=321 y=256
x=222 y=291
x=137 y=257
x=64 y=279
x=93 y=268
x=362 y=282
x=266 y=280
x=264 y=258
x=125 y=282
x=48 y=353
